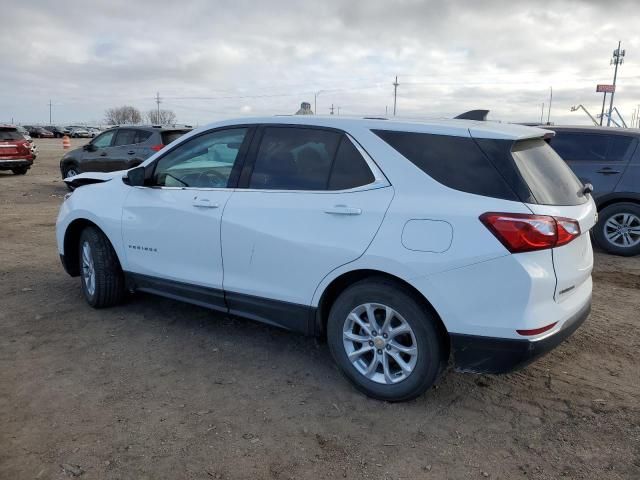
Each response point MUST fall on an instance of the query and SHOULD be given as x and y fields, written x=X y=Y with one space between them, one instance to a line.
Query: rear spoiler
x=480 y=115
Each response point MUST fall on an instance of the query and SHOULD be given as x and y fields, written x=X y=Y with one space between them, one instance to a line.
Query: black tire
x=20 y=170
x=429 y=341
x=66 y=173
x=615 y=213
x=108 y=280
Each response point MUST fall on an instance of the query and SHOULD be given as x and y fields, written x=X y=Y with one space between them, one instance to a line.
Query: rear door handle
x=204 y=203
x=608 y=171
x=131 y=152
x=103 y=154
x=343 y=210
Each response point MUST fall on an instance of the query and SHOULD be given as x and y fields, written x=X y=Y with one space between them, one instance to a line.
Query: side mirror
x=135 y=177
x=89 y=147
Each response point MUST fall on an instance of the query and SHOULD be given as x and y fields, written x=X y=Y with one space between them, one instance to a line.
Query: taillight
x=520 y=232
x=157 y=148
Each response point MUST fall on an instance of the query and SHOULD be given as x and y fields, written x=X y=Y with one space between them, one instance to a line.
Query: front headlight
x=67 y=196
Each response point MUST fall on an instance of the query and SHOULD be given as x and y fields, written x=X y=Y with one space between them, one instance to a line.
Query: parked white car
x=405 y=244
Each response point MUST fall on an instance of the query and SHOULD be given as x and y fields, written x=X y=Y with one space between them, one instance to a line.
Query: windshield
x=548 y=177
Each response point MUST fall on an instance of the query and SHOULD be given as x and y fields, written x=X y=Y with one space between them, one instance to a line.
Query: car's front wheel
x=100 y=271
x=618 y=229
x=384 y=340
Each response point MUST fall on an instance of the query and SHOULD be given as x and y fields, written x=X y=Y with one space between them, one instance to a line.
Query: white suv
x=404 y=244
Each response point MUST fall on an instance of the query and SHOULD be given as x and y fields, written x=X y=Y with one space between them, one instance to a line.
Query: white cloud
x=210 y=60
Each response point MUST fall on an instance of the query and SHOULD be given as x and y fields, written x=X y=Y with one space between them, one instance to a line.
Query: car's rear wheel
x=618 y=229
x=100 y=271
x=19 y=170
x=384 y=340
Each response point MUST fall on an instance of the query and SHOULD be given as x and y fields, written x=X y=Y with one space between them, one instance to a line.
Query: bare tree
x=123 y=115
x=164 y=117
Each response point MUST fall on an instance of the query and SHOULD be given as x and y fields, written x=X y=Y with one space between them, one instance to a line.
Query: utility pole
x=542 y=114
x=315 y=101
x=549 y=111
x=617 y=59
x=395 y=94
x=49 y=111
x=331 y=109
x=158 y=102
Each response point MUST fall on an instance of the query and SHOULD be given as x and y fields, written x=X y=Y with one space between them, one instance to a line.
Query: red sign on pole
x=605 y=88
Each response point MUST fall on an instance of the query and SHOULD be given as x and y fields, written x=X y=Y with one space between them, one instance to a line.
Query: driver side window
x=103 y=140
x=205 y=161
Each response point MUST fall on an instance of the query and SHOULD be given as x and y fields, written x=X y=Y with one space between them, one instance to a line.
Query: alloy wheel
x=623 y=230
x=380 y=343
x=88 y=269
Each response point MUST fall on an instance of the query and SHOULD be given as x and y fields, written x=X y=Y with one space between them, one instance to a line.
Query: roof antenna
x=474 y=115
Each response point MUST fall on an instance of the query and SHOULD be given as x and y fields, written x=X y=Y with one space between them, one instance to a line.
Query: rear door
x=558 y=193
x=310 y=201
x=126 y=151
x=596 y=158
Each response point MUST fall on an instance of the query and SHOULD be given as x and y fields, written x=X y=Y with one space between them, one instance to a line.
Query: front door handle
x=204 y=203
x=343 y=210
x=103 y=154
x=608 y=171
x=131 y=152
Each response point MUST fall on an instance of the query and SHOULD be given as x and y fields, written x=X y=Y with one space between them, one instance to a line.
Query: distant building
x=305 y=109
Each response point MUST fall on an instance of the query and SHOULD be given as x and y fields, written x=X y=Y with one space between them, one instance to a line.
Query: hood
x=92 y=177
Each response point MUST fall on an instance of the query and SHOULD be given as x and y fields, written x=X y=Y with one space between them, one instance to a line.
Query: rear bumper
x=15 y=163
x=478 y=354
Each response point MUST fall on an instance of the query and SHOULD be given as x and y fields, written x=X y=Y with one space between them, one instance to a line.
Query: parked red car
x=15 y=151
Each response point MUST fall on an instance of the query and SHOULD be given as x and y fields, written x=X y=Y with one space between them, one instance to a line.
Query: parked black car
x=39 y=132
x=119 y=148
x=609 y=159
x=58 y=132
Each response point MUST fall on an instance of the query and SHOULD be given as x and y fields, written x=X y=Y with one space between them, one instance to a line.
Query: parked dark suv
x=119 y=148
x=609 y=159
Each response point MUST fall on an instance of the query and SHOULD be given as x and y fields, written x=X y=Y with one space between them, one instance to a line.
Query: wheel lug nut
x=370 y=343
x=388 y=347
x=384 y=335
x=379 y=352
x=374 y=333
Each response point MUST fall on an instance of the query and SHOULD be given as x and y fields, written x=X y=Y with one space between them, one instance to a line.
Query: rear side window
x=588 y=147
x=294 y=159
x=550 y=180
x=171 y=135
x=9 y=134
x=456 y=162
x=349 y=170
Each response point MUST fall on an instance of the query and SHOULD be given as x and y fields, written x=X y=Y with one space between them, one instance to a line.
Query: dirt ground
x=159 y=389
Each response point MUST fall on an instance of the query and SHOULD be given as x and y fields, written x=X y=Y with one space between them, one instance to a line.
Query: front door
x=171 y=228
x=97 y=152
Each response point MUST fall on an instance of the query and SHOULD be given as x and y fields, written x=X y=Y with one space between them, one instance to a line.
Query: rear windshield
x=550 y=180
x=171 y=135
x=8 y=134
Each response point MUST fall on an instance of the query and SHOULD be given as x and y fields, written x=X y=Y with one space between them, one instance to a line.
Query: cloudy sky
x=218 y=59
